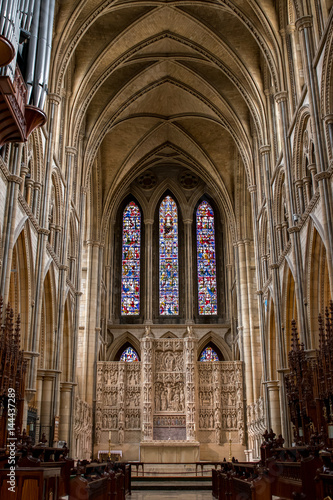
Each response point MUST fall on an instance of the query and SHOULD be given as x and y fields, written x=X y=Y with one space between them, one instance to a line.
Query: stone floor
x=169 y=495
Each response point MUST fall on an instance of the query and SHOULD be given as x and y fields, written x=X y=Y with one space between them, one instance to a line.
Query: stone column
x=24 y=172
x=191 y=404
x=54 y=101
x=46 y=405
x=147 y=384
x=245 y=325
x=265 y=152
x=281 y=99
x=111 y=274
x=189 y=299
x=36 y=196
x=274 y=406
x=29 y=187
x=9 y=221
x=70 y=153
x=76 y=315
x=149 y=271
x=65 y=411
x=253 y=192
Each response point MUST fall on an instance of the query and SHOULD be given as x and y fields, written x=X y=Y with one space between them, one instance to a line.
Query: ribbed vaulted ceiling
x=183 y=75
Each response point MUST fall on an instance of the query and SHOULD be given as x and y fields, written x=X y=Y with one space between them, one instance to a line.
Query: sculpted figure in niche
x=175 y=401
x=169 y=362
x=157 y=402
x=229 y=423
x=98 y=436
x=163 y=401
x=182 y=402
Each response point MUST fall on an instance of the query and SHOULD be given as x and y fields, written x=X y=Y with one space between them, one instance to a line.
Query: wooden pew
x=241 y=480
x=36 y=483
x=292 y=472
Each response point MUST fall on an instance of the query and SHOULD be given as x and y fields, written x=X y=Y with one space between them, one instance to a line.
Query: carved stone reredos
x=169 y=394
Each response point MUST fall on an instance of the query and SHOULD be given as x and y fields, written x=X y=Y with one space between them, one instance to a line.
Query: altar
x=170 y=452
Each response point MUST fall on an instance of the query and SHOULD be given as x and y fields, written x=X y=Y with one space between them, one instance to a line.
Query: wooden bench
x=36 y=483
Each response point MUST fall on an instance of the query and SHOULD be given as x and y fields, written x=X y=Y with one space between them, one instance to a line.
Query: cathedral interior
x=166 y=211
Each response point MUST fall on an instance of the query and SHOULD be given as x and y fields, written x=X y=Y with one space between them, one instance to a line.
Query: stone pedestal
x=170 y=452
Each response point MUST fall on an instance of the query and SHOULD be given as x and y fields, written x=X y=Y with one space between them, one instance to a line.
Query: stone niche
x=169 y=398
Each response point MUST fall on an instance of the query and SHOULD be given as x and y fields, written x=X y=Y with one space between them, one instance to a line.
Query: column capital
x=303 y=22
x=272 y=385
x=264 y=149
x=24 y=169
x=252 y=188
x=66 y=386
x=15 y=178
x=281 y=96
x=291 y=28
x=84 y=190
x=149 y=222
x=37 y=185
x=188 y=221
x=54 y=98
x=326 y=174
x=299 y=183
x=70 y=150
x=93 y=243
x=328 y=119
x=294 y=229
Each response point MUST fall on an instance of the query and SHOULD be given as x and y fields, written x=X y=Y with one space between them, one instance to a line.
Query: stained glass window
x=168 y=269
x=209 y=354
x=130 y=278
x=207 y=295
x=129 y=355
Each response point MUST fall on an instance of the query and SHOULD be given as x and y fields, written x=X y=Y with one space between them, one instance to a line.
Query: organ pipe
x=35 y=17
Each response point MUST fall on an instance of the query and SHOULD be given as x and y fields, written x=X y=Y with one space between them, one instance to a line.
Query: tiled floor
x=169 y=495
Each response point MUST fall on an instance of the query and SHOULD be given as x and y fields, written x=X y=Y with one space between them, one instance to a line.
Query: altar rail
x=146 y=469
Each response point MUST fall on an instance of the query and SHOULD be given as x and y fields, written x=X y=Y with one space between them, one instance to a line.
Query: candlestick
x=230 y=454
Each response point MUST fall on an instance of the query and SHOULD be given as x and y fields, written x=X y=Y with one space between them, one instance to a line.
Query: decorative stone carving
x=256 y=424
x=83 y=427
x=220 y=400
x=162 y=397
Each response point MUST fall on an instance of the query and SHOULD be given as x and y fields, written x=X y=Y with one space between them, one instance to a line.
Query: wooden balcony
x=17 y=119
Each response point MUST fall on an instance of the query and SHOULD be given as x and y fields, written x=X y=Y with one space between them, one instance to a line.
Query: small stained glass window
x=168 y=261
x=130 y=278
x=207 y=294
x=209 y=354
x=129 y=355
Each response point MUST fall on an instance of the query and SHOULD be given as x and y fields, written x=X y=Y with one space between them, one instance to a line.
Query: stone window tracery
x=129 y=355
x=209 y=354
x=168 y=258
x=130 y=280
x=206 y=260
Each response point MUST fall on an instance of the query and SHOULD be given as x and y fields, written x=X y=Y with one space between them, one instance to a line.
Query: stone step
x=172 y=483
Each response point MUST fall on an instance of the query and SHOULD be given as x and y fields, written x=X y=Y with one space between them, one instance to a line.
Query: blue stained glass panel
x=209 y=354
x=207 y=294
x=129 y=355
x=130 y=278
x=168 y=260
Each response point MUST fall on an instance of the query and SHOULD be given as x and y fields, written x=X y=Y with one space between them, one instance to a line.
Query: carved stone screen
x=221 y=401
x=169 y=395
